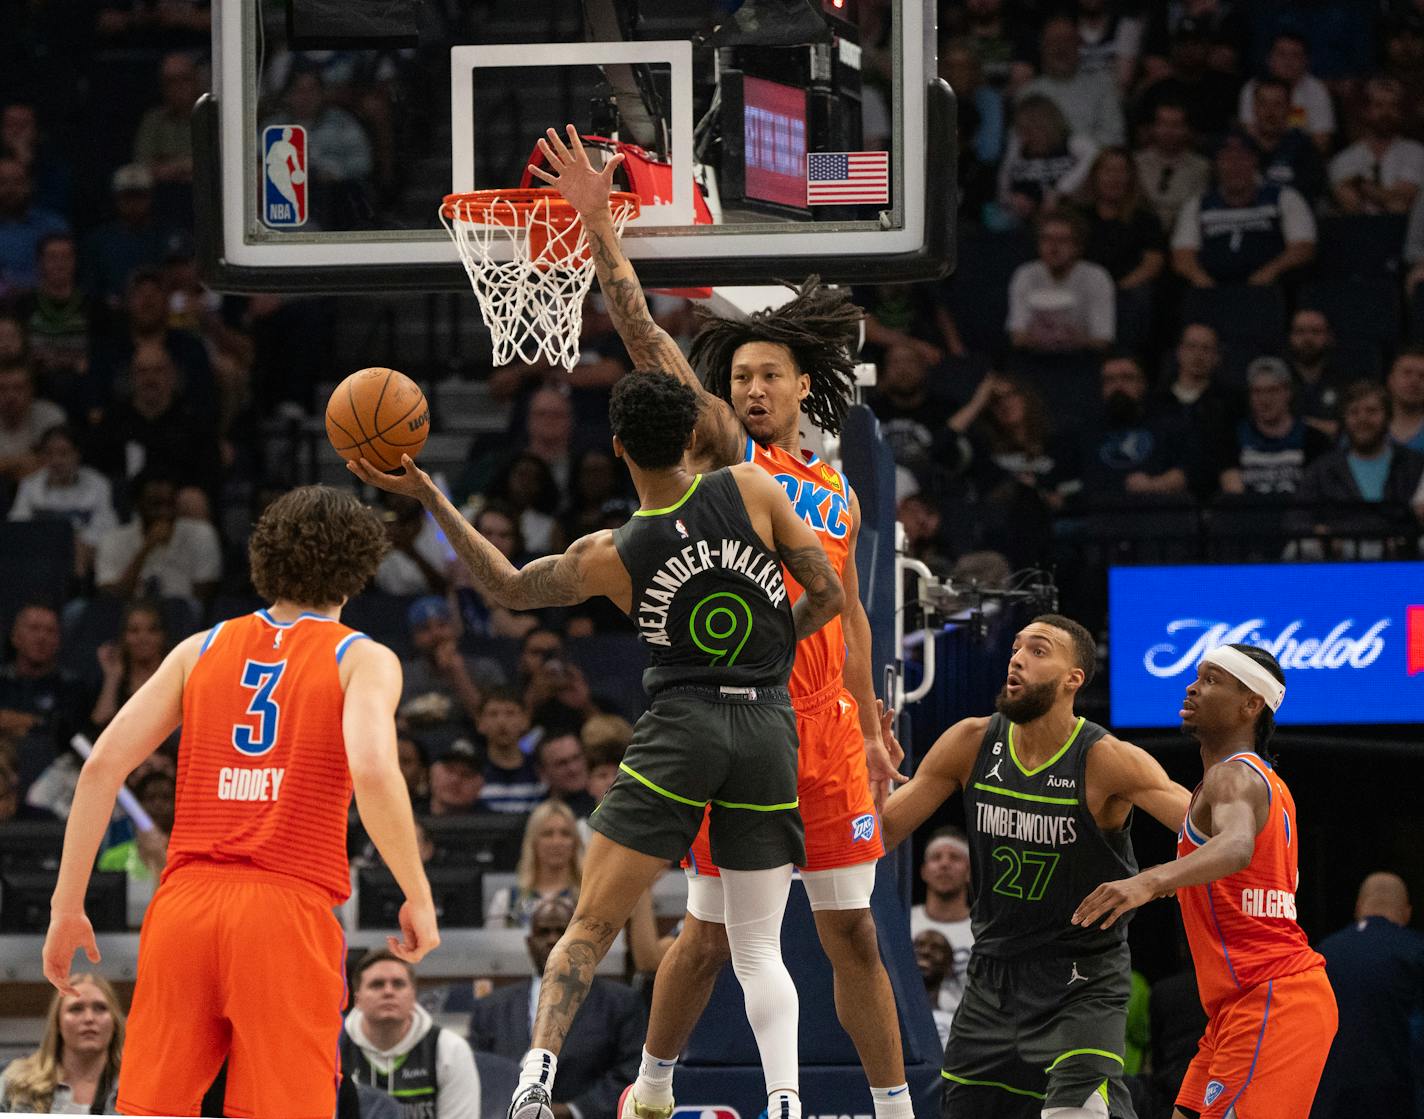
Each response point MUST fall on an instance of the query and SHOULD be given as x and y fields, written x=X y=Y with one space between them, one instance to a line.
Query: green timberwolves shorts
x=732 y=748
x=1037 y=1033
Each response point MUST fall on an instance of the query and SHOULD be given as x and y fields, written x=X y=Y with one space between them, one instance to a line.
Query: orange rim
x=512 y=207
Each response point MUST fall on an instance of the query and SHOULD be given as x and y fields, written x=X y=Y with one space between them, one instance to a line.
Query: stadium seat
x=1363 y=311
x=1249 y=321
x=36 y=558
x=382 y=618
x=1359 y=246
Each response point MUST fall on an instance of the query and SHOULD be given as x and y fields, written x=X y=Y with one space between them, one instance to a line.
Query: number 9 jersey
x=262 y=775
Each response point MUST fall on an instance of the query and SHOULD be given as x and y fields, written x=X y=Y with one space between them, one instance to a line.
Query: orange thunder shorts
x=1263 y=1052
x=833 y=786
x=242 y=965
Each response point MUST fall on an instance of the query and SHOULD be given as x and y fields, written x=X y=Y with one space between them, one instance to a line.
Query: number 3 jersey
x=708 y=597
x=1035 y=849
x=262 y=775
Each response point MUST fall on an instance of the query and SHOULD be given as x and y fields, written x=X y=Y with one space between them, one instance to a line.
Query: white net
x=531 y=270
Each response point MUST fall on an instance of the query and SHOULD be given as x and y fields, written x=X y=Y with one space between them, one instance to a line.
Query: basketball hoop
x=532 y=301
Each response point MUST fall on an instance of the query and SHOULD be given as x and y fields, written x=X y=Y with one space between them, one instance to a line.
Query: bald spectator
x=1381 y=172
x=1376 y=967
x=1089 y=100
x=1310 y=353
x=164 y=142
x=1170 y=170
x=23 y=420
x=945 y=911
x=22 y=226
x=1406 y=398
x=1311 y=108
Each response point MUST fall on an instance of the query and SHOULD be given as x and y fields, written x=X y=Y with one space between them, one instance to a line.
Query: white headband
x=1249 y=672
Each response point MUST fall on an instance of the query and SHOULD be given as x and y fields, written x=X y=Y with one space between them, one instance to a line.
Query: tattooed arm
x=720 y=435
x=590 y=567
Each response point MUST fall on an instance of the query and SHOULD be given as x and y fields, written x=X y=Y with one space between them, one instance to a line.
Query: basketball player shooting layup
x=283 y=713
x=697 y=569
x=1047 y=797
x=767 y=371
x=1272 y=1012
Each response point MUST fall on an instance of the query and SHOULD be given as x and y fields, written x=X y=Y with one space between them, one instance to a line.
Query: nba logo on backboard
x=284 y=176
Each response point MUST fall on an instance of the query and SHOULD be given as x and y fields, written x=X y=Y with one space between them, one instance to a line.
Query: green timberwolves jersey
x=1035 y=849
x=708 y=598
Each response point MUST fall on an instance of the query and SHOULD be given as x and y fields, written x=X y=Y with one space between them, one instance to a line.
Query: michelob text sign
x=1350 y=637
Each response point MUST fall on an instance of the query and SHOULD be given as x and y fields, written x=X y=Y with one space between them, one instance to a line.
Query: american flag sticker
x=847 y=178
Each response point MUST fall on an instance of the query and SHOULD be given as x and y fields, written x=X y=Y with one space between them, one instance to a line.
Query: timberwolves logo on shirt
x=284 y=176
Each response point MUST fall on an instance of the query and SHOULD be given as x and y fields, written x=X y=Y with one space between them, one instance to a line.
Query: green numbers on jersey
x=1025 y=874
x=720 y=625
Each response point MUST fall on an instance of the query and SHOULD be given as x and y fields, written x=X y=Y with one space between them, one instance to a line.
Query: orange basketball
x=378 y=415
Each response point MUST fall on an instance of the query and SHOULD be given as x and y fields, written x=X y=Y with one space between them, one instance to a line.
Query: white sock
x=653 y=1087
x=538 y=1067
x=893 y=1103
x=755 y=902
x=783 y=1105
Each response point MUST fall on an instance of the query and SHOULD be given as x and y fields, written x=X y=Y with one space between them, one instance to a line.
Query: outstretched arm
x=563 y=580
x=798 y=548
x=945 y=770
x=649 y=345
x=1129 y=774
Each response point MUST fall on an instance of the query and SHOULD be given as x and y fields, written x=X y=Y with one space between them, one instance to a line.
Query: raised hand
x=585 y=189
x=412 y=482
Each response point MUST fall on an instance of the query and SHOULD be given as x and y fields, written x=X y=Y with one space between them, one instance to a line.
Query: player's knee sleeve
x=1094 y=1107
x=704 y=898
x=754 y=904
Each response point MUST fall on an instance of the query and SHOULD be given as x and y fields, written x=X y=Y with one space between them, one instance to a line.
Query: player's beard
x=1035 y=702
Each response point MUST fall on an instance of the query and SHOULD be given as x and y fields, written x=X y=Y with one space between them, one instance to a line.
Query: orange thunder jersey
x=821 y=498
x=262 y=774
x=1242 y=928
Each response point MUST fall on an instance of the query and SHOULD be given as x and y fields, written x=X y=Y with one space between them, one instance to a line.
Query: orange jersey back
x=1242 y=928
x=821 y=498
x=262 y=774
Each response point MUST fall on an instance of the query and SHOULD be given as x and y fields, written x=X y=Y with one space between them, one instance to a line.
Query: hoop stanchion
x=526 y=253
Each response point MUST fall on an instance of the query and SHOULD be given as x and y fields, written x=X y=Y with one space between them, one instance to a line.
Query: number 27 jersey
x=262 y=776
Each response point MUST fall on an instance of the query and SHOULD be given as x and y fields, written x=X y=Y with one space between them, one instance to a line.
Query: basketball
x=378 y=415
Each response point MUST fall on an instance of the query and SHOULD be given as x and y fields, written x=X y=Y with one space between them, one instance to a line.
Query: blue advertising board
x=1349 y=636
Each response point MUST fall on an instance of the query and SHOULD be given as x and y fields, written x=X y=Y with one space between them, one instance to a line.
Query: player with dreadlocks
x=760 y=375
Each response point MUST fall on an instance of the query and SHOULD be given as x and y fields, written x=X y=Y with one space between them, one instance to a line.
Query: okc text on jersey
x=284 y=176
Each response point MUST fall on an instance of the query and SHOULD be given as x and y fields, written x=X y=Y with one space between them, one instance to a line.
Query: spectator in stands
x=1376 y=967
x=1192 y=78
x=1061 y=303
x=1124 y=236
x=605 y=740
x=144 y=856
x=41 y=704
x=145 y=325
x=1310 y=349
x=1169 y=170
x=1132 y=451
x=935 y=959
x=1109 y=41
x=341 y=176
x=414 y=764
x=14 y=342
x=1010 y=431
x=456 y=781
x=164 y=142
x=1381 y=172
x=1089 y=100
x=49 y=171
x=1368 y=467
x=1403 y=60
x=12 y=804
x=1406 y=398
x=1242 y=230
x=1218 y=23
x=160 y=552
x=23 y=421
x=511 y=779
x=1285 y=154
x=527 y=486
x=1196 y=399
x=22 y=226
x=1311 y=108
x=390 y=1042
x=944 y=869
x=961 y=68
x=1413 y=259
x=550 y=867
x=440 y=667
x=1000 y=43
x=482 y=616
x=540 y=645
x=1272 y=446
x=908 y=315
x=913 y=421
x=131 y=241
x=1043 y=164
x=604 y=1045
x=925 y=537
x=76 y=1068
x=559 y=760
x=57 y=317
x=127 y=664
x=416 y=563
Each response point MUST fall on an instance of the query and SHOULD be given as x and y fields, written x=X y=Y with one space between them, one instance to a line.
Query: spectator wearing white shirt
x=1108 y=40
x=1060 y=303
x=945 y=873
x=23 y=419
x=159 y=553
x=1090 y=101
x=1242 y=230
x=418 y=562
x=1311 y=108
x=64 y=489
x=1381 y=172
